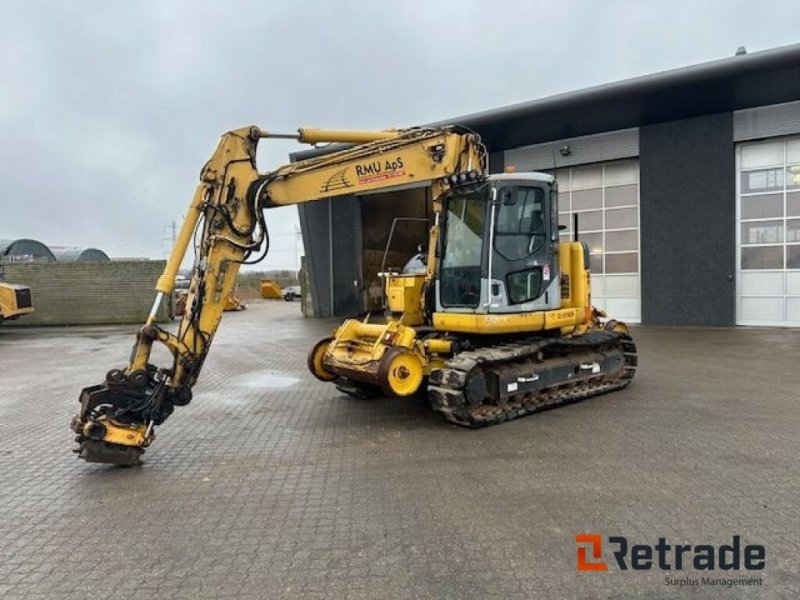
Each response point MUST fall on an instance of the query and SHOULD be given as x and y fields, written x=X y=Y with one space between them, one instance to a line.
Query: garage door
x=768 y=230
x=606 y=198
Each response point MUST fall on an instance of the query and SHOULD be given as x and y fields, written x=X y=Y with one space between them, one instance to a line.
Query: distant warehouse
x=28 y=250
x=71 y=254
x=25 y=250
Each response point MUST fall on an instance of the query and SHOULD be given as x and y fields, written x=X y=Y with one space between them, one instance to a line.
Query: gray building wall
x=84 y=293
x=332 y=242
x=600 y=147
x=766 y=121
x=687 y=179
x=497 y=162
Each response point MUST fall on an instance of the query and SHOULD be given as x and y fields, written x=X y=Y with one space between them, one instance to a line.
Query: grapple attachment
x=116 y=419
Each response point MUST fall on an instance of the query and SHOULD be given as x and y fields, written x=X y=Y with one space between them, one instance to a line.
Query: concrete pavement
x=270 y=484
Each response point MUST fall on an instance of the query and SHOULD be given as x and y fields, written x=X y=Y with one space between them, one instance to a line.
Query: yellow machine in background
x=270 y=290
x=233 y=303
x=15 y=301
x=493 y=318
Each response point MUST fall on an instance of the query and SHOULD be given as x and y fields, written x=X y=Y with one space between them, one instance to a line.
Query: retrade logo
x=596 y=545
x=665 y=556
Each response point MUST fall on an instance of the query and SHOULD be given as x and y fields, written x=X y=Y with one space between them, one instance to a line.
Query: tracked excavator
x=493 y=319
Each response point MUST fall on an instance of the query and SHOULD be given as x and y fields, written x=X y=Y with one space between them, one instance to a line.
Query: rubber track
x=446 y=385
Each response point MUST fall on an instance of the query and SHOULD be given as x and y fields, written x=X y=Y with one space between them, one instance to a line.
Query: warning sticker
x=546 y=272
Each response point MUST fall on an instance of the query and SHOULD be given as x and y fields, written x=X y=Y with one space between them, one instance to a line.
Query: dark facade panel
x=333 y=260
x=347 y=257
x=314 y=225
x=497 y=162
x=687 y=179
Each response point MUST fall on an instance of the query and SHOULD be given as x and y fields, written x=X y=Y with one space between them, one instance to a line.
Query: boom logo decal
x=337 y=181
x=380 y=170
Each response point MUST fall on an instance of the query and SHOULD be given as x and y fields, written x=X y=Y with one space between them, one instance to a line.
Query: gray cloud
x=109 y=109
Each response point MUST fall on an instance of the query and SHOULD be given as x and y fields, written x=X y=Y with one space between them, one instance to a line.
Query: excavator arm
x=225 y=222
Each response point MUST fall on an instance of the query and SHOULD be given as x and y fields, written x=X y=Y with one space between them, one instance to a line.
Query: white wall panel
x=624 y=309
x=793 y=283
x=622 y=172
x=766 y=154
x=793 y=151
x=598 y=285
x=793 y=311
x=754 y=283
x=762 y=310
x=622 y=286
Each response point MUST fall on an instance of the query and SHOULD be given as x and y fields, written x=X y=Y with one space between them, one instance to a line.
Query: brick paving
x=272 y=485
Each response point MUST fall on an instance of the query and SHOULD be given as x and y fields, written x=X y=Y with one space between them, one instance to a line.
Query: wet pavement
x=270 y=484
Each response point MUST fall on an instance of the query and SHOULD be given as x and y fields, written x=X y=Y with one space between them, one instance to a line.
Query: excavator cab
x=499 y=251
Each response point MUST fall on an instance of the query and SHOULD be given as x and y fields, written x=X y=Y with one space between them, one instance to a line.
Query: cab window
x=519 y=222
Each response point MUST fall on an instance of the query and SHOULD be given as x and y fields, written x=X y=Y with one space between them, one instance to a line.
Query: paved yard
x=272 y=485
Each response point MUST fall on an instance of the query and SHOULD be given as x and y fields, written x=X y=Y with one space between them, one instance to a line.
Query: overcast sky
x=109 y=109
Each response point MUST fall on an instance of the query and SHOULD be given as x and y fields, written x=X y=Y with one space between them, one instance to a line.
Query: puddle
x=269 y=379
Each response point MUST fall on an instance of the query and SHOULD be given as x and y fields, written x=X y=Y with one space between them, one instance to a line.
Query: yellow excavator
x=493 y=317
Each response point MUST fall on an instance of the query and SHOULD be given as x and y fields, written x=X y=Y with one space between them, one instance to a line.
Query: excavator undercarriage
x=500 y=382
x=490 y=381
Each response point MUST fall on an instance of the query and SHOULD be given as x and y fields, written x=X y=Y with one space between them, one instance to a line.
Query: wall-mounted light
x=565 y=150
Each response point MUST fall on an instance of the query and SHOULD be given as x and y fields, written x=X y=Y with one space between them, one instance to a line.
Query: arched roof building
x=25 y=250
x=74 y=254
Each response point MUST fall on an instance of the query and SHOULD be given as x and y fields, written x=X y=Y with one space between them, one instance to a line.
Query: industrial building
x=25 y=250
x=77 y=254
x=686 y=183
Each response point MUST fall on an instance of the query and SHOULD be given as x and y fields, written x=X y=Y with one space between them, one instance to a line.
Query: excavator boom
x=116 y=420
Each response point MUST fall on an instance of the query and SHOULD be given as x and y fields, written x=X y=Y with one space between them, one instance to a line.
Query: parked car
x=290 y=292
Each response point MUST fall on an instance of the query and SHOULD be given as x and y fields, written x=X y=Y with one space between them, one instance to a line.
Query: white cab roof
x=529 y=176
